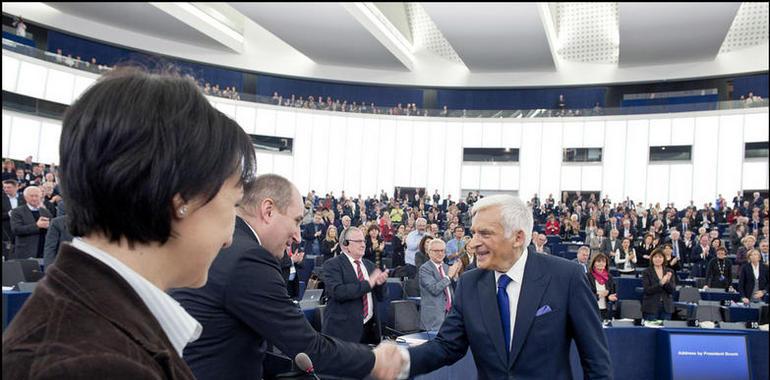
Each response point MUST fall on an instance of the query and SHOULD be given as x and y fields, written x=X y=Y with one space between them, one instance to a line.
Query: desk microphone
x=305 y=364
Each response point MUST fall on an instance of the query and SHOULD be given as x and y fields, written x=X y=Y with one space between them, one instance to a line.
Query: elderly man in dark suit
x=353 y=285
x=29 y=224
x=245 y=302
x=519 y=312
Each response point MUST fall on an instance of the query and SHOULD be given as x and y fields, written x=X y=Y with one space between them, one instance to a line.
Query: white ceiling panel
x=494 y=36
x=325 y=32
x=653 y=33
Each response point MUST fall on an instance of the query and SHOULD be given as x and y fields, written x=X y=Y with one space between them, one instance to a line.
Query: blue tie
x=505 y=309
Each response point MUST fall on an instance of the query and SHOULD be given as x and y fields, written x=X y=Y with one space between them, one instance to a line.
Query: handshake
x=388 y=361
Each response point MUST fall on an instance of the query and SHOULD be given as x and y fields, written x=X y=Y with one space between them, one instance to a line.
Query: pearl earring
x=182 y=211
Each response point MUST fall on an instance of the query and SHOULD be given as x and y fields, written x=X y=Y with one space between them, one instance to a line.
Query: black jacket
x=343 y=314
x=243 y=305
x=654 y=292
x=746 y=280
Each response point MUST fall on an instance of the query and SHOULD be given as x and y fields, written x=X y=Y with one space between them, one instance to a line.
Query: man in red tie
x=435 y=286
x=352 y=284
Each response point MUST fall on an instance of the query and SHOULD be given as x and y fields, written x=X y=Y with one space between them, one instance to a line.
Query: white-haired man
x=29 y=223
x=542 y=302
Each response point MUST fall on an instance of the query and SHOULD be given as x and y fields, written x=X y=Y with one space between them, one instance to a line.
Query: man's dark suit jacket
x=541 y=343
x=23 y=225
x=532 y=249
x=243 y=305
x=343 y=316
x=7 y=233
x=58 y=232
x=84 y=321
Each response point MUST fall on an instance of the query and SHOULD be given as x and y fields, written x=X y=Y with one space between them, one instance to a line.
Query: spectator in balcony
x=59 y=57
x=353 y=107
x=207 y=88
x=276 y=100
x=69 y=61
x=597 y=110
x=445 y=112
x=21 y=27
x=561 y=105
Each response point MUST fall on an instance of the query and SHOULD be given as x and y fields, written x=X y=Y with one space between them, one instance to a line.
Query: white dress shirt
x=369 y=299
x=14 y=202
x=516 y=273
x=179 y=326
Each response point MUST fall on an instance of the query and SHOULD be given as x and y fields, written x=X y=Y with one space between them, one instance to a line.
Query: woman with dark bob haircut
x=151 y=175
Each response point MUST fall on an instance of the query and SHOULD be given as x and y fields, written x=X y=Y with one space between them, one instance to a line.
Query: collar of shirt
x=252 y=231
x=439 y=266
x=179 y=326
x=353 y=263
x=33 y=208
x=516 y=273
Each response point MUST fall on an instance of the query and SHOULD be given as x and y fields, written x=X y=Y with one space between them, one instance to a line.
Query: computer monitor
x=700 y=355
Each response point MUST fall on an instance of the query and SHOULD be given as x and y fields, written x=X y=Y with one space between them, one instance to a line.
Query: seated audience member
x=467 y=256
x=753 y=280
x=29 y=224
x=353 y=284
x=330 y=245
x=436 y=286
x=719 y=272
x=538 y=246
x=582 y=257
x=374 y=246
x=747 y=244
x=399 y=245
x=611 y=246
x=644 y=250
x=58 y=232
x=673 y=263
x=700 y=256
x=596 y=242
x=659 y=284
x=625 y=260
x=11 y=199
x=552 y=226
x=168 y=210
x=291 y=261
x=454 y=247
x=764 y=252
x=602 y=284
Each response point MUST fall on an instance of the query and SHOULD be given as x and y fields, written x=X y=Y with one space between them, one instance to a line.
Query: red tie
x=362 y=278
x=448 y=303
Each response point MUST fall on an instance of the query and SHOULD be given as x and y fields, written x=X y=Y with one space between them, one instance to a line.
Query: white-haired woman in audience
x=754 y=279
x=748 y=243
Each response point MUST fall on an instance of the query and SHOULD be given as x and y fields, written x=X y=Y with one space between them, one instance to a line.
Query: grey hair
x=515 y=214
x=584 y=248
x=421 y=220
x=345 y=232
x=431 y=241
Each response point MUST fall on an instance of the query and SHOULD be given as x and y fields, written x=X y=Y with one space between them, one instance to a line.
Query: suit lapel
x=533 y=286
x=488 y=300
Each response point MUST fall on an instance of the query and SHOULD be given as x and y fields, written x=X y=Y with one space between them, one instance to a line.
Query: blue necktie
x=505 y=309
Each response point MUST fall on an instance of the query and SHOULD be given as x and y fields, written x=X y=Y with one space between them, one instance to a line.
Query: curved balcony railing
x=419 y=112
